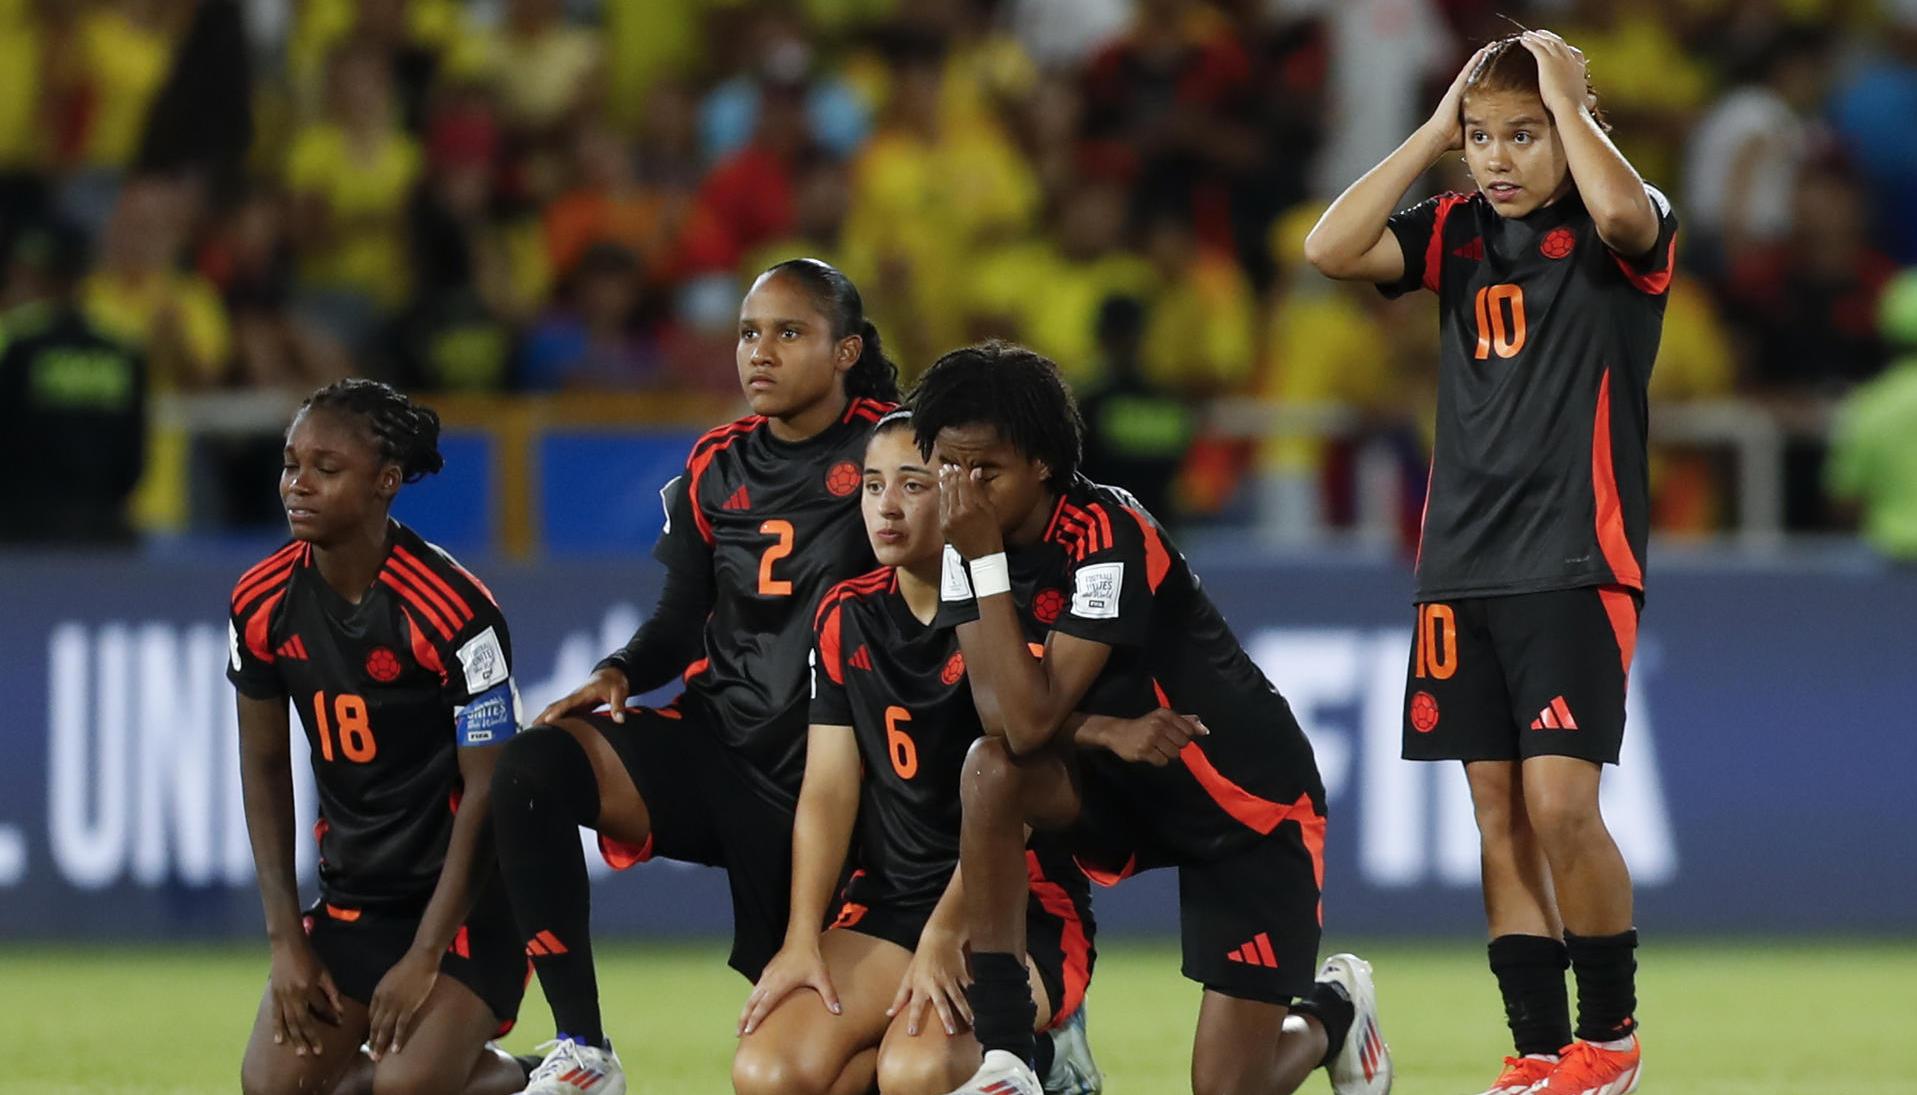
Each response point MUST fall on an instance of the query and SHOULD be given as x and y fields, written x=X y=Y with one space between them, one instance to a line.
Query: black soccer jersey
x=778 y=523
x=1105 y=571
x=901 y=687
x=1539 y=480
x=387 y=689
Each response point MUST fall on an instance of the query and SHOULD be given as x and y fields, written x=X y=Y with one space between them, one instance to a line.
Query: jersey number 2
x=355 y=733
x=1494 y=337
x=768 y=585
x=904 y=751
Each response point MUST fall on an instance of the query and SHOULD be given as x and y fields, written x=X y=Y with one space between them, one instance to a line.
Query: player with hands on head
x=1552 y=280
x=1071 y=601
x=764 y=520
x=400 y=666
x=879 y=995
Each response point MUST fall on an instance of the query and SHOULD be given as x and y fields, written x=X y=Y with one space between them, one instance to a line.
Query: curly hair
x=1017 y=391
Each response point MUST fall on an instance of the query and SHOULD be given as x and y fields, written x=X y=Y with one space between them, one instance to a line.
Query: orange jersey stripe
x=1072 y=938
x=273 y=578
x=423 y=651
x=436 y=582
x=447 y=611
x=406 y=592
x=1612 y=539
x=1622 y=610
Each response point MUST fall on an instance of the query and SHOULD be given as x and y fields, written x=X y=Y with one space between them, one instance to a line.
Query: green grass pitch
x=1720 y=1018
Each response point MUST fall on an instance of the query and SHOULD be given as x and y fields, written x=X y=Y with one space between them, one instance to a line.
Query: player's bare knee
x=991 y=776
x=1564 y=821
x=763 y=1067
x=266 y=1077
x=910 y=1068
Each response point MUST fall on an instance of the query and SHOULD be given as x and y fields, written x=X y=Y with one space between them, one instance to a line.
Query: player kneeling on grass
x=1552 y=281
x=1208 y=772
x=399 y=665
x=892 y=718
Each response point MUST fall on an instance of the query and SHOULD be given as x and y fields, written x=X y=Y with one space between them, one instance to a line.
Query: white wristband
x=991 y=575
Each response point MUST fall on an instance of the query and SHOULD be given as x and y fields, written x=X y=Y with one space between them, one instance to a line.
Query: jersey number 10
x=355 y=732
x=1494 y=337
x=1435 y=653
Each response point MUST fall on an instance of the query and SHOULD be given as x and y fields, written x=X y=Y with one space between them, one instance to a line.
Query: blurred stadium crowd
x=551 y=196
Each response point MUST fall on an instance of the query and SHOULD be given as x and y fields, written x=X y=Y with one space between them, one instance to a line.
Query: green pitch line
x=1734 y=1018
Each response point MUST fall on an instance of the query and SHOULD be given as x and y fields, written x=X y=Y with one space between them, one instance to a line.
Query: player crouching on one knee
x=879 y=994
x=1070 y=598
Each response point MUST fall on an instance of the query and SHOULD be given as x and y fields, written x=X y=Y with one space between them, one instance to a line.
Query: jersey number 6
x=768 y=585
x=355 y=733
x=1493 y=335
x=905 y=753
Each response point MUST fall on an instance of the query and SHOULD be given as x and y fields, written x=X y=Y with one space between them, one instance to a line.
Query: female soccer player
x=892 y=719
x=400 y=667
x=1227 y=792
x=764 y=520
x=1552 y=279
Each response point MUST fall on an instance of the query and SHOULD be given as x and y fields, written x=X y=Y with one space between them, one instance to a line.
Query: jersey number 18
x=355 y=732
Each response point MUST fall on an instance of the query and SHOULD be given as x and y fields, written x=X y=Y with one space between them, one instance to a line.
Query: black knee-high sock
x=1606 y=970
x=543 y=790
x=1530 y=972
x=1326 y=1000
x=1002 y=1008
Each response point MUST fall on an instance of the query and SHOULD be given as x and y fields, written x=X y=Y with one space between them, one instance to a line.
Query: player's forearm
x=1355 y=221
x=1013 y=692
x=821 y=837
x=948 y=916
x=467 y=853
x=1611 y=189
x=266 y=789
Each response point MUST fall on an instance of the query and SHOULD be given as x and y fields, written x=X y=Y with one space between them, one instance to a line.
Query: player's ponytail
x=406 y=432
x=873 y=375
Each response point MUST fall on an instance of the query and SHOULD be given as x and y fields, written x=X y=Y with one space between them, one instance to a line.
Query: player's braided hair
x=1017 y=391
x=407 y=432
x=873 y=375
x=1508 y=66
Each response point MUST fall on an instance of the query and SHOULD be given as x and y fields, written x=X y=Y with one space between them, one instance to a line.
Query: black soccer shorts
x=1058 y=928
x=1521 y=675
x=1250 y=908
x=708 y=808
x=358 y=945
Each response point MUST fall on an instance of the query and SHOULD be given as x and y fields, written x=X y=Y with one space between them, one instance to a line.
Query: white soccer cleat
x=1363 y=1065
x=1001 y=1074
x=574 y=1068
x=1073 y=1071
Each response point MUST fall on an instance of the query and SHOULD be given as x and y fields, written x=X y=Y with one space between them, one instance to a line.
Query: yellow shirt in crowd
x=125 y=63
x=366 y=193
